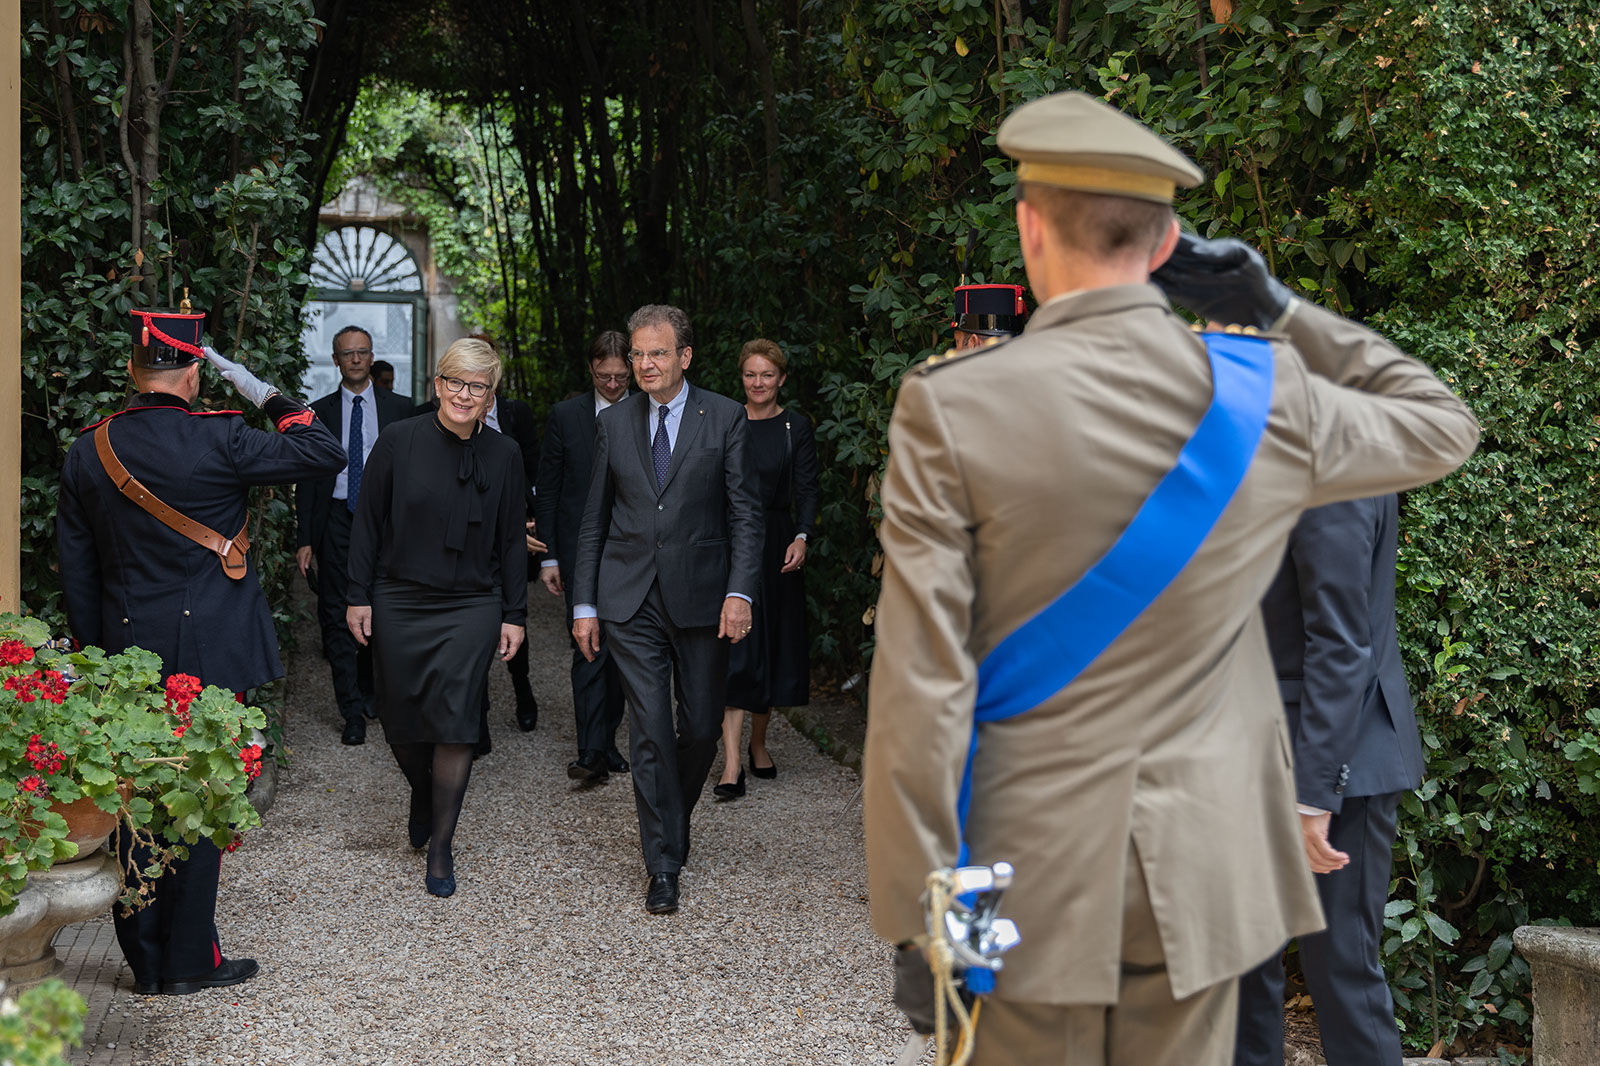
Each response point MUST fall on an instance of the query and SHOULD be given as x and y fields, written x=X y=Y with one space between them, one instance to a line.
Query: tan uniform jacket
x=1011 y=471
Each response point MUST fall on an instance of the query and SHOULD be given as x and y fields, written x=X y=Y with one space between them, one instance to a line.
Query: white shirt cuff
x=1308 y=810
x=741 y=596
x=584 y=610
x=549 y=562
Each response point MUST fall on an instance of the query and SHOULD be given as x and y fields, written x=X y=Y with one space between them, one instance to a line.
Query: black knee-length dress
x=437 y=550
x=772 y=667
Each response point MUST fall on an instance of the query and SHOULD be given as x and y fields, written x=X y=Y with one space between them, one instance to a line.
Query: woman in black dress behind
x=439 y=582
x=773 y=667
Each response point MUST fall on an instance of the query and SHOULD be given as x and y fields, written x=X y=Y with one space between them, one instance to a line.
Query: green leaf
x=1313 y=99
x=1441 y=928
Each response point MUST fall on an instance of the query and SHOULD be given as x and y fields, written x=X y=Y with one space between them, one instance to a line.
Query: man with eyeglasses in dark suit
x=356 y=412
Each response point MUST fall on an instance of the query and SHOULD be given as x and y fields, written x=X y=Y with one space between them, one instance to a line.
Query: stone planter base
x=1566 y=993
x=61 y=895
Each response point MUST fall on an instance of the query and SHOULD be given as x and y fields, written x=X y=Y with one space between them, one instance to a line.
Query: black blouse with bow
x=444 y=512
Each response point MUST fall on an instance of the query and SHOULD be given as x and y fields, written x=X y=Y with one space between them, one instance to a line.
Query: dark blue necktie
x=661 y=450
x=354 y=454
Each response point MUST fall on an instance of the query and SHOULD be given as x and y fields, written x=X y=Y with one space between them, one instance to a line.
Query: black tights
x=438 y=776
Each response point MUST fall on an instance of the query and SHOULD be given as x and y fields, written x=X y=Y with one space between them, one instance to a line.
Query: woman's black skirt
x=431 y=651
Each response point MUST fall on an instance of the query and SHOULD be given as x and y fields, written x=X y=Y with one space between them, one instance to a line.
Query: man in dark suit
x=1330 y=621
x=668 y=557
x=564 y=466
x=134 y=574
x=356 y=413
x=515 y=419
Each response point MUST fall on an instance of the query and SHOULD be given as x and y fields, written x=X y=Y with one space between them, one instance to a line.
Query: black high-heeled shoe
x=442 y=886
x=766 y=773
x=724 y=791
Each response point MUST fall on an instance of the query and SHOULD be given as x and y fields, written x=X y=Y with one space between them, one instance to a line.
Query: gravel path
x=545 y=953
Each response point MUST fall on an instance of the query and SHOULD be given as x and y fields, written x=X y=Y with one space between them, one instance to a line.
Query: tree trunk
x=64 y=99
x=1064 y=21
x=761 y=60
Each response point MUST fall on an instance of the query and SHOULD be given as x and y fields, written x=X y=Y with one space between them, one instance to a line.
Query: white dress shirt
x=369 y=431
x=491 y=417
x=600 y=404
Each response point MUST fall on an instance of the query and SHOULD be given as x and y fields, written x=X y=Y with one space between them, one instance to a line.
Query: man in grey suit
x=1330 y=622
x=668 y=557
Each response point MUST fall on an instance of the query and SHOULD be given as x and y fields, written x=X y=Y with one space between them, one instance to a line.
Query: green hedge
x=229 y=181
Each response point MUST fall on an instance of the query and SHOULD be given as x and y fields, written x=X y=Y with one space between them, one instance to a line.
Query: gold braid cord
x=947 y=1004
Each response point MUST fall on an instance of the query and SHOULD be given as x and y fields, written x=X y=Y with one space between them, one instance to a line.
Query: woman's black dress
x=437 y=550
x=772 y=667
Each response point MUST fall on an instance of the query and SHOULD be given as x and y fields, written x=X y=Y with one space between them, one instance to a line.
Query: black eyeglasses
x=476 y=389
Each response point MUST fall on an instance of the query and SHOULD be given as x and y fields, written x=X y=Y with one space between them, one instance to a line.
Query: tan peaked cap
x=1073 y=141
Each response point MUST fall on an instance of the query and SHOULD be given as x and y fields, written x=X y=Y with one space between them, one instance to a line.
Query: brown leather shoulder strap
x=230 y=552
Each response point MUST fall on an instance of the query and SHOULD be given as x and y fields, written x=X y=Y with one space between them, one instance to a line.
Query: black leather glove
x=913 y=988
x=1223 y=280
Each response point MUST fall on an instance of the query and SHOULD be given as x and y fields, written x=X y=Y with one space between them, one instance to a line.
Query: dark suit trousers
x=1355 y=1014
x=175 y=937
x=597 y=700
x=351 y=664
x=670 y=763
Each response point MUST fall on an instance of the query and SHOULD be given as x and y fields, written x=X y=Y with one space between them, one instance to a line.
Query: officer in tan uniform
x=1147 y=803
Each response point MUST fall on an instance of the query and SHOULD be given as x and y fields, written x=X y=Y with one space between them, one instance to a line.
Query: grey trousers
x=671 y=756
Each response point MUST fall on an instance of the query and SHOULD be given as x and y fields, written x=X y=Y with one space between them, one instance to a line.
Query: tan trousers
x=1145 y=1027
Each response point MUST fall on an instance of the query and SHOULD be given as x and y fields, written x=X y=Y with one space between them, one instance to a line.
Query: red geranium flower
x=14 y=652
x=31 y=783
x=250 y=756
x=46 y=757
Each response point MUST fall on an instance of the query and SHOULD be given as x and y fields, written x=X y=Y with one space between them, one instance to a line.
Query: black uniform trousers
x=597 y=700
x=163 y=942
x=349 y=662
x=656 y=661
x=1355 y=1013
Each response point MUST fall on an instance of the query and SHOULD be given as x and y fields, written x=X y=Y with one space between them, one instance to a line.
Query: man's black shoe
x=146 y=988
x=590 y=765
x=615 y=762
x=527 y=712
x=662 y=898
x=355 y=731
x=231 y=972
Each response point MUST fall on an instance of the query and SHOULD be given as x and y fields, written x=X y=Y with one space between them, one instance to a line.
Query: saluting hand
x=359 y=619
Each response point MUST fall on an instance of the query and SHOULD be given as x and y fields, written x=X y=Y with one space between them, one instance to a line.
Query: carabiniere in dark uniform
x=152 y=528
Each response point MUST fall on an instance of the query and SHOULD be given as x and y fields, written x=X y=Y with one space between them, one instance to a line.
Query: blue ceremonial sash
x=1048 y=651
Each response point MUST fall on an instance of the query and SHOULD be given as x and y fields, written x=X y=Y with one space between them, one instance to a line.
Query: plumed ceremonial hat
x=167 y=340
x=1073 y=141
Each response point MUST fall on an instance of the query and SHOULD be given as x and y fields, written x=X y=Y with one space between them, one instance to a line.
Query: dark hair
x=767 y=350
x=1098 y=224
x=485 y=338
x=351 y=329
x=380 y=365
x=610 y=344
x=663 y=315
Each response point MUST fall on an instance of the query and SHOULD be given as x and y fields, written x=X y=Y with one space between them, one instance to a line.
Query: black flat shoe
x=764 y=772
x=724 y=791
x=615 y=762
x=443 y=887
x=231 y=972
x=355 y=732
x=662 y=896
x=418 y=833
x=589 y=766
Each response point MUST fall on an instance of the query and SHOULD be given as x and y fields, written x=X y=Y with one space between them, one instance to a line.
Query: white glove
x=250 y=387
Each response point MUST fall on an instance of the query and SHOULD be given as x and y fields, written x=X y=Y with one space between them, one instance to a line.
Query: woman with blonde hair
x=773 y=667
x=439 y=584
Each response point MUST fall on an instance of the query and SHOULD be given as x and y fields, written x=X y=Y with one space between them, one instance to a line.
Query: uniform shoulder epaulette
x=1241 y=331
x=955 y=355
x=130 y=410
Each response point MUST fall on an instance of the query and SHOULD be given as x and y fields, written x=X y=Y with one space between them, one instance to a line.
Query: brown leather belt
x=229 y=551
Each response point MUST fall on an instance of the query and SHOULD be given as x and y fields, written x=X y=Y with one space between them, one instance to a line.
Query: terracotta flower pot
x=87 y=825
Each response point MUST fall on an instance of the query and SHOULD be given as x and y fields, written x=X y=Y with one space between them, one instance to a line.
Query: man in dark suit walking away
x=669 y=555
x=356 y=413
x=565 y=462
x=1330 y=622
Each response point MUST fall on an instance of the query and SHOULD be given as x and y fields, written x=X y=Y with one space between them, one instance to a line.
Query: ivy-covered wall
x=159 y=141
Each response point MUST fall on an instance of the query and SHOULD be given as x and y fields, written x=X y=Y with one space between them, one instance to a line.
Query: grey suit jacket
x=699 y=535
x=1330 y=623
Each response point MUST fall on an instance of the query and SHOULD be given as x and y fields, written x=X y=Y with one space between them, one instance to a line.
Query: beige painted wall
x=10 y=302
